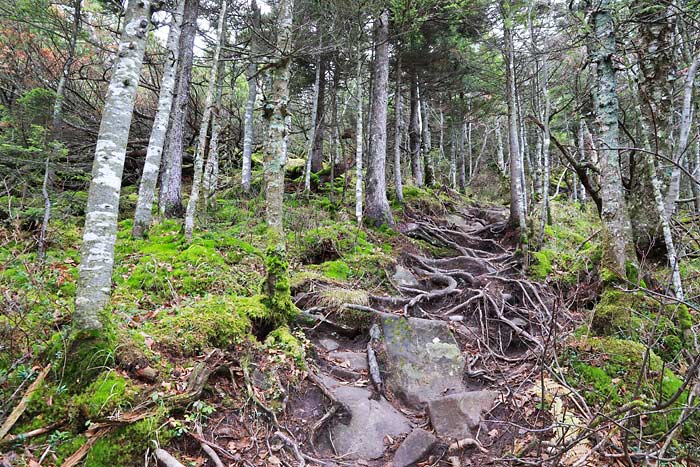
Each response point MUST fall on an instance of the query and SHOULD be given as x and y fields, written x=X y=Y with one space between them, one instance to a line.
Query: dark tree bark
x=171 y=191
x=377 y=211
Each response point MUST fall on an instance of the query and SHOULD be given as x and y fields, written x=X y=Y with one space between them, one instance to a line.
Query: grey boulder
x=420 y=359
x=414 y=448
x=457 y=416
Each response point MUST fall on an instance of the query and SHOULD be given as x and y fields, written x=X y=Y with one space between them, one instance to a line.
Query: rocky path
x=420 y=378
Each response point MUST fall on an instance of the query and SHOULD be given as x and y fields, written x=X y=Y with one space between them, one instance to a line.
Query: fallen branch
x=165 y=459
x=78 y=455
x=462 y=443
x=22 y=406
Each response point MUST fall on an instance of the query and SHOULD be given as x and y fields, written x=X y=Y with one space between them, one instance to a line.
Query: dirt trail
x=437 y=363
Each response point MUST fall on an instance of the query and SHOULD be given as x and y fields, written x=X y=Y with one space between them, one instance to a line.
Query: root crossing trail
x=430 y=374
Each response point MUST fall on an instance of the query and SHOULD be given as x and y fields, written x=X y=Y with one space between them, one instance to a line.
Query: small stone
x=147 y=374
x=404 y=278
x=355 y=360
x=457 y=415
x=414 y=448
x=456 y=220
x=329 y=344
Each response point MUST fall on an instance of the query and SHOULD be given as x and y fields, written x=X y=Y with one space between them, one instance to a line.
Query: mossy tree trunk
x=617 y=244
x=276 y=285
x=154 y=153
x=100 y=234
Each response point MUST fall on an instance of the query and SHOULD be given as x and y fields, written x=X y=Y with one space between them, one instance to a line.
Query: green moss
x=615 y=314
x=607 y=372
x=635 y=316
x=214 y=321
x=338 y=270
x=125 y=446
x=542 y=266
x=277 y=295
x=283 y=339
x=109 y=392
x=68 y=447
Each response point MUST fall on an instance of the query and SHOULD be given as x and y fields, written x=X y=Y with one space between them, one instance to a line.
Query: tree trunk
x=359 y=140
x=544 y=91
x=618 y=250
x=317 y=148
x=314 y=126
x=335 y=139
x=427 y=142
x=193 y=201
x=56 y=124
x=398 y=127
x=414 y=131
x=517 y=207
x=152 y=164
x=377 y=210
x=500 y=159
x=461 y=163
x=453 y=159
x=682 y=146
x=276 y=286
x=171 y=191
x=251 y=76
x=211 y=171
x=100 y=233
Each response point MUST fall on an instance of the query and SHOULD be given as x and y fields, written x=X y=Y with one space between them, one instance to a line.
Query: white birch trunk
x=193 y=202
x=358 y=147
x=154 y=153
x=682 y=146
x=100 y=233
x=248 y=119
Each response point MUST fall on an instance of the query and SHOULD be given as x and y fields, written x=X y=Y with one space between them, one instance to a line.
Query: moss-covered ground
x=173 y=302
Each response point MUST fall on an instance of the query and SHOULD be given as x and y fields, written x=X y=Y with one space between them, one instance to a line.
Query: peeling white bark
x=100 y=234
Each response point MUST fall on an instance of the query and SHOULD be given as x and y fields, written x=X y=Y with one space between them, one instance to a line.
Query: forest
x=304 y=233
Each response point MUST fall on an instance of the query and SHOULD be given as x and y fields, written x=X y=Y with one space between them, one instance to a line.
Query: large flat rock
x=420 y=359
x=457 y=416
x=362 y=437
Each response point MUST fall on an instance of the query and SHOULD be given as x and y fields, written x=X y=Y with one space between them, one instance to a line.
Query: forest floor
x=432 y=345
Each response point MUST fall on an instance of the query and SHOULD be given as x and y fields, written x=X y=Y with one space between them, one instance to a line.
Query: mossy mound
x=570 y=247
x=640 y=318
x=108 y=393
x=165 y=266
x=608 y=373
x=213 y=321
